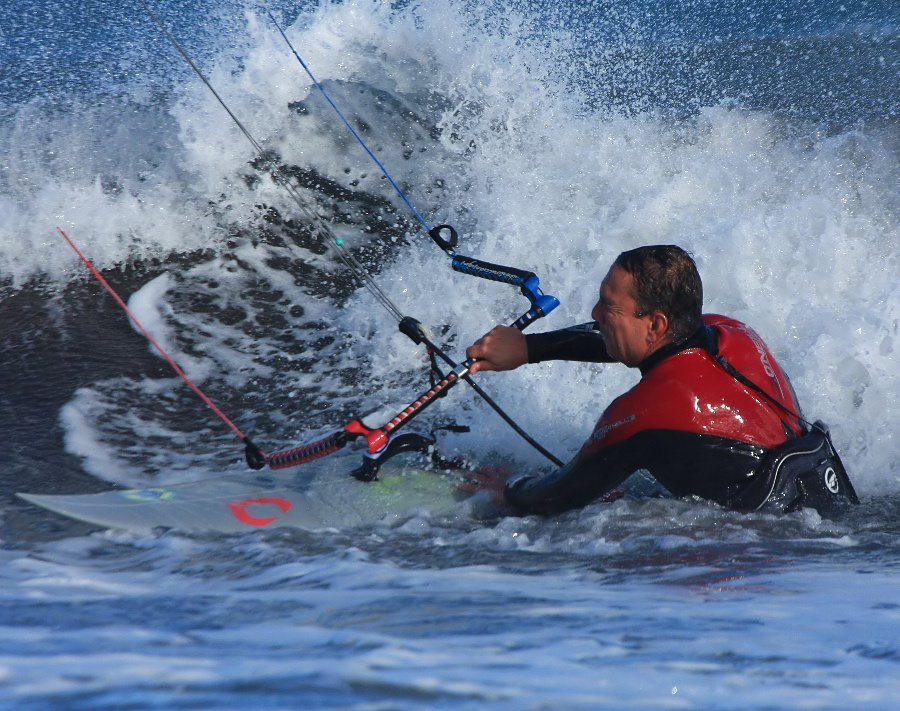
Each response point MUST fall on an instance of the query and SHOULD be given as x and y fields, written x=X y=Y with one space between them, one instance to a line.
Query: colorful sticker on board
x=239 y=509
x=148 y=494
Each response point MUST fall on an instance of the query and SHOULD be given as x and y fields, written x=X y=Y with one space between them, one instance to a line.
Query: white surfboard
x=315 y=496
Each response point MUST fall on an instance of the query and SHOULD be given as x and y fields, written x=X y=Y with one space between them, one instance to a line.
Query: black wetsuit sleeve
x=581 y=343
x=578 y=483
x=685 y=463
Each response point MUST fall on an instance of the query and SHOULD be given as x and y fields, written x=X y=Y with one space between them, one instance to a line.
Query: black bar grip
x=494 y=272
x=307 y=452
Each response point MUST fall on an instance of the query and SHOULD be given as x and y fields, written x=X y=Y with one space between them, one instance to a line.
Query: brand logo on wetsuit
x=764 y=357
x=601 y=431
x=831 y=481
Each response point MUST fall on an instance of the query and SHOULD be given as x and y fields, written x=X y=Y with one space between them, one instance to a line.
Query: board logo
x=764 y=358
x=242 y=514
x=148 y=494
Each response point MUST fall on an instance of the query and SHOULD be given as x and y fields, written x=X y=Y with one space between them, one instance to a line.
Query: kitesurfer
x=713 y=415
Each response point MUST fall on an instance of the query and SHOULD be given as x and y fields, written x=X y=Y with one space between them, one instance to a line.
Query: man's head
x=651 y=296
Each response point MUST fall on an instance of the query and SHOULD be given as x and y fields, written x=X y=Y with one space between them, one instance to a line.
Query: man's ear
x=659 y=328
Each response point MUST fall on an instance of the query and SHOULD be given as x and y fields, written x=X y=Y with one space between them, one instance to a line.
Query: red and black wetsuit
x=692 y=424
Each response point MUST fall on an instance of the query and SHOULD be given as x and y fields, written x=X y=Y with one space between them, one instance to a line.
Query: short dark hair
x=666 y=279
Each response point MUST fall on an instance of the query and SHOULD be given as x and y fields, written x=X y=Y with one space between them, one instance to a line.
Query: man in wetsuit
x=712 y=416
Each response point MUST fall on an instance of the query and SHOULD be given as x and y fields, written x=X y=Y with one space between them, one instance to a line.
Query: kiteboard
x=315 y=497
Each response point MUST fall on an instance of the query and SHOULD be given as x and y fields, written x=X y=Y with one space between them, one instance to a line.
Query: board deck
x=311 y=498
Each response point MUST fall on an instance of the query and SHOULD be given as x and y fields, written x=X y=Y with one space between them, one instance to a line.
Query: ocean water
x=763 y=138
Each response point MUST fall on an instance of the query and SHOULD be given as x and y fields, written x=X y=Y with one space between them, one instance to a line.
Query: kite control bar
x=378 y=438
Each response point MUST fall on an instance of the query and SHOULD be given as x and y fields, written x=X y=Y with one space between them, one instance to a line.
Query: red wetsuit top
x=690 y=422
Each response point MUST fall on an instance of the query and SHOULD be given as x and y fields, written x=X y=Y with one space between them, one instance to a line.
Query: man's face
x=627 y=333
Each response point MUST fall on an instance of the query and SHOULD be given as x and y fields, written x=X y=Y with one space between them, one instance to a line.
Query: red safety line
x=150 y=338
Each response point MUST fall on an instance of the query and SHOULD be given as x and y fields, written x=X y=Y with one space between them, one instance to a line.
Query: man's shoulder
x=731 y=333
